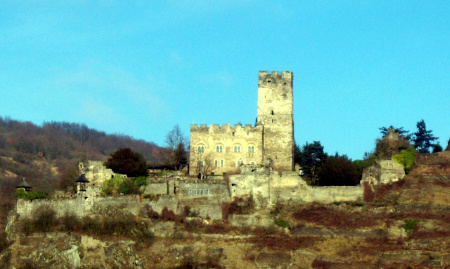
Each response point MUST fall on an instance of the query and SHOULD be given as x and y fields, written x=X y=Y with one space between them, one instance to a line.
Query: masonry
x=222 y=149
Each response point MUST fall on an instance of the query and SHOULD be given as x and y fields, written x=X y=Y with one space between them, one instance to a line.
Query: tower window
x=237 y=148
x=201 y=148
x=218 y=148
x=251 y=148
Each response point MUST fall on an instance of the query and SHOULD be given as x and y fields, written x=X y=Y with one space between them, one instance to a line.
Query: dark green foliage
x=400 y=131
x=32 y=195
x=128 y=186
x=338 y=170
x=126 y=161
x=436 y=148
x=423 y=138
x=281 y=223
x=410 y=225
x=140 y=181
x=310 y=157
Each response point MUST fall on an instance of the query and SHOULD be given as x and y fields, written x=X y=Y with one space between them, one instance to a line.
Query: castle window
x=233 y=133
x=216 y=163
x=200 y=163
x=201 y=148
x=221 y=163
x=237 y=148
x=272 y=112
x=251 y=148
x=240 y=163
x=219 y=148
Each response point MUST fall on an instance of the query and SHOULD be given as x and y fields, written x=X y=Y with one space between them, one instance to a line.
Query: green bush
x=32 y=195
x=119 y=184
x=282 y=223
x=128 y=186
x=410 y=225
x=407 y=158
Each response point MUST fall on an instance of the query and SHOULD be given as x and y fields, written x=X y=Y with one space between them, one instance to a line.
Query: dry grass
x=332 y=217
x=282 y=243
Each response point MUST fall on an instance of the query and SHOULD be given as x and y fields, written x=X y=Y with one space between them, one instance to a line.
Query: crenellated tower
x=275 y=114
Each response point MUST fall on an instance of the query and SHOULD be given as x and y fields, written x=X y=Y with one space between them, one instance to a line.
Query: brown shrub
x=287 y=243
x=369 y=194
x=320 y=264
x=4 y=243
x=169 y=215
x=147 y=211
x=44 y=219
x=326 y=216
x=71 y=222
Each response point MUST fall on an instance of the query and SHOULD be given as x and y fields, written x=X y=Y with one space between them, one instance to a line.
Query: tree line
x=321 y=169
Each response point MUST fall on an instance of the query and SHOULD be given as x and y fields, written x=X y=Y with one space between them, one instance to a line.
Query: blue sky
x=140 y=67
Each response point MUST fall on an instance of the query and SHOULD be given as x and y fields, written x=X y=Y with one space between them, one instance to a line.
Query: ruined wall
x=223 y=147
x=275 y=113
x=267 y=189
x=383 y=172
x=95 y=172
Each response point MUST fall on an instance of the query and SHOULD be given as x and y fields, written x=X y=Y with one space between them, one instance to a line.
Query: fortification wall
x=268 y=189
x=221 y=148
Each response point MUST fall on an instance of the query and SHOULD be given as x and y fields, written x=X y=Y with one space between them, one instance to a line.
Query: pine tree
x=423 y=138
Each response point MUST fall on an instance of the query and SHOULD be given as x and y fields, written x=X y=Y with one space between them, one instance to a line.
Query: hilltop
x=404 y=224
x=42 y=154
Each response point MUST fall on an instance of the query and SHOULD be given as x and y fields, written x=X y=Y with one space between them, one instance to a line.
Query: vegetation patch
x=286 y=243
x=327 y=216
x=31 y=195
x=410 y=225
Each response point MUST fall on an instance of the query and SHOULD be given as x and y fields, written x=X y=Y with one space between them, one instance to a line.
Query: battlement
x=224 y=128
x=276 y=78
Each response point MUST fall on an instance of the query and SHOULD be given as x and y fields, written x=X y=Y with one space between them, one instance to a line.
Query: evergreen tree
x=338 y=171
x=423 y=138
x=310 y=158
x=126 y=161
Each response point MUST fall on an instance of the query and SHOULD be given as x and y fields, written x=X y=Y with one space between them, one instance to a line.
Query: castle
x=221 y=149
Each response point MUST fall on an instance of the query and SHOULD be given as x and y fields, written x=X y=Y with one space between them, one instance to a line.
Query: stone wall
x=383 y=172
x=268 y=188
x=95 y=172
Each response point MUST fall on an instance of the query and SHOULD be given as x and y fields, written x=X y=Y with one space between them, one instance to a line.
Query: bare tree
x=176 y=142
x=204 y=164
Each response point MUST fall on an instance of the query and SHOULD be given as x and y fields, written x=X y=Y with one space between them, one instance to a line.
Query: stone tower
x=275 y=114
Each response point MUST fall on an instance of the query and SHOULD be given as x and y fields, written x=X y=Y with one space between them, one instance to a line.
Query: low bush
x=410 y=225
x=71 y=222
x=369 y=194
x=148 y=212
x=44 y=219
x=32 y=195
x=281 y=223
x=4 y=243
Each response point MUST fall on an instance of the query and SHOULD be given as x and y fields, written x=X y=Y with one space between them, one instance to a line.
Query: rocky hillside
x=401 y=225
